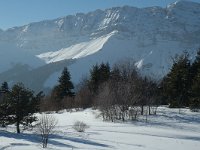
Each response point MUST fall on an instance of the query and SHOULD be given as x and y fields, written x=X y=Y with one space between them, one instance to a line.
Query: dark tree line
x=120 y=93
x=181 y=85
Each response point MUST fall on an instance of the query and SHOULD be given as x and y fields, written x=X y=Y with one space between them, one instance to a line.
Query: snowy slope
x=76 y=51
x=153 y=60
x=168 y=130
x=149 y=36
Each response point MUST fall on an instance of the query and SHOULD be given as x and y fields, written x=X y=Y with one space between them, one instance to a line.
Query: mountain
x=36 y=53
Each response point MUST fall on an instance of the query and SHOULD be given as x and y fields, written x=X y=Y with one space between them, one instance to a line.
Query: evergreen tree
x=18 y=105
x=5 y=111
x=4 y=114
x=63 y=89
x=20 y=100
x=104 y=71
x=35 y=103
x=195 y=88
x=98 y=75
x=94 y=78
x=177 y=82
x=5 y=108
x=115 y=74
x=195 y=93
x=4 y=87
x=65 y=85
x=195 y=65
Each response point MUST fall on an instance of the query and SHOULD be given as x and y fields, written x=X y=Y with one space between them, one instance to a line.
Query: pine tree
x=4 y=87
x=94 y=78
x=5 y=108
x=195 y=88
x=177 y=82
x=115 y=74
x=34 y=105
x=104 y=71
x=20 y=99
x=18 y=105
x=65 y=85
x=98 y=75
x=5 y=112
x=195 y=93
x=64 y=89
x=195 y=65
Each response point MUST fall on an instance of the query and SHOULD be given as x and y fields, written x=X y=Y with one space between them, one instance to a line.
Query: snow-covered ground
x=166 y=131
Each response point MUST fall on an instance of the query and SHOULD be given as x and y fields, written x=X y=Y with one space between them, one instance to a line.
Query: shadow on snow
x=34 y=138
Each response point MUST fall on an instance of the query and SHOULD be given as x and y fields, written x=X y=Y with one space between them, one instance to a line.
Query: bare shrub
x=45 y=127
x=80 y=126
x=84 y=96
x=133 y=113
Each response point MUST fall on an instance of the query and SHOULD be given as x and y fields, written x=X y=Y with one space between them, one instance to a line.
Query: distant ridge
x=149 y=36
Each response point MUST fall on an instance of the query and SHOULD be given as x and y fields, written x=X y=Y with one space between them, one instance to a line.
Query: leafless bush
x=126 y=93
x=45 y=127
x=80 y=126
x=133 y=113
x=83 y=98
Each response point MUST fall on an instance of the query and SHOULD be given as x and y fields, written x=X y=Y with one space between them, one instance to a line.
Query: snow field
x=167 y=130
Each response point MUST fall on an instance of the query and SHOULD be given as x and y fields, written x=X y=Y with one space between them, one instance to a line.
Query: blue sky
x=20 y=12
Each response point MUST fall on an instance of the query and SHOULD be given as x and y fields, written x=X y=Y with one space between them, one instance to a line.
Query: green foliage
x=181 y=86
x=195 y=65
x=65 y=86
x=177 y=82
x=5 y=111
x=5 y=107
x=98 y=75
x=104 y=72
x=18 y=106
x=4 y=87
x=63 y=91
x=20 y=99
x=195 y=92
x=35 y=102
x=195 y=87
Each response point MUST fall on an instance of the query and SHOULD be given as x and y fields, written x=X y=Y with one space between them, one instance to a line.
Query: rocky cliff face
x=149 y=36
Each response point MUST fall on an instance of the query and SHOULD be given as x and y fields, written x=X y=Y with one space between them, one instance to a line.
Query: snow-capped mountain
x=36 y=53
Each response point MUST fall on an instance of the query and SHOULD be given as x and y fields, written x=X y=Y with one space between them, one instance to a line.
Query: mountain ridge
x=149 y=36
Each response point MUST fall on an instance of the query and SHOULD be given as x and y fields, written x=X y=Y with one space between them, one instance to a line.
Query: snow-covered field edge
x=164 y=131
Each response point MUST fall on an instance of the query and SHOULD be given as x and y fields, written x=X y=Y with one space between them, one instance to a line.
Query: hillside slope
x=149 y=36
